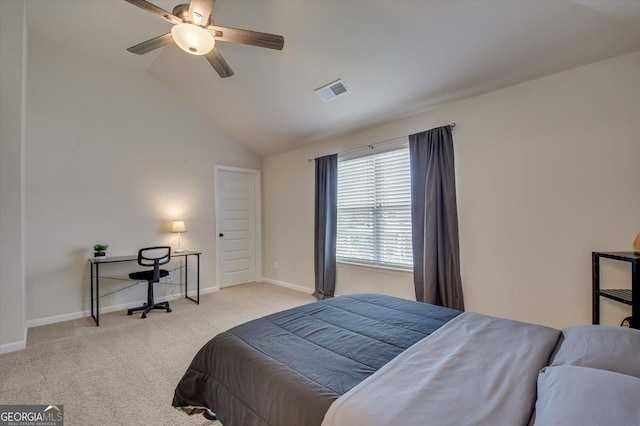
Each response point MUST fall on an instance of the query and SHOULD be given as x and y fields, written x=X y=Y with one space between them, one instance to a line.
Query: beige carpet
x=125 y=371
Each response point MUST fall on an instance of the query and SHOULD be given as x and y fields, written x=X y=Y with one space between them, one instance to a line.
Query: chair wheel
x=168 y=310
x=129 y=312
x=143 y=316
x=209 y=415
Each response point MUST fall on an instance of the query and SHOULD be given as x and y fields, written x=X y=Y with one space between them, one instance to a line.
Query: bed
x=379 y=360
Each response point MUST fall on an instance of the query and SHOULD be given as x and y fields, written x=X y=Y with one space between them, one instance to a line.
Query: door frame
x=257 y=208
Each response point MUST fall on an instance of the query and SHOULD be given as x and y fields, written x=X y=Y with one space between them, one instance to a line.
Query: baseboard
x=106 y=309
x=58 y=318
x=13 y=346
x=288 y=285
x=207 y=290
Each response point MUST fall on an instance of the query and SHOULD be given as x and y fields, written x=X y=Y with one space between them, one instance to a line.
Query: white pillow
x=603 y=347
x=582 y=396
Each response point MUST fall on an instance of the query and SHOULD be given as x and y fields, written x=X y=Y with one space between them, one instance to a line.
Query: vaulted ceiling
x=396 y=57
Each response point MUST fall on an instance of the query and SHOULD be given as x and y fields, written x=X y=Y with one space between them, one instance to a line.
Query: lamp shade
x=193 y=39
x=178 y=226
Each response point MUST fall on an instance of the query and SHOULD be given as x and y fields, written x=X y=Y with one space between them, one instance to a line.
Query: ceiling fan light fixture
x=193 y=39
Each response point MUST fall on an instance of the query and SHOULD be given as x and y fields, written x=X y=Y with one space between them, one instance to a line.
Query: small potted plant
x=100 y=250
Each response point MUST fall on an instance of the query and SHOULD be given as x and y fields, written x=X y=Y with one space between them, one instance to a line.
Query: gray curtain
x=434 y=216
x=326 y=225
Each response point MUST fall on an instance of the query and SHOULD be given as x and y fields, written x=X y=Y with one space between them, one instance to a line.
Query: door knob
x=221 y=235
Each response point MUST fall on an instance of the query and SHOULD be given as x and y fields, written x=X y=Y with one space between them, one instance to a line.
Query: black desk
x=628 y=297
x=96 y=262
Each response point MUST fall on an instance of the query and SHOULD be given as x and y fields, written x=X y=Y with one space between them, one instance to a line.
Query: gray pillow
x=586 y=397
x=603 y=347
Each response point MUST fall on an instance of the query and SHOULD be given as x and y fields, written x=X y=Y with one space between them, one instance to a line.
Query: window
x=374 y=210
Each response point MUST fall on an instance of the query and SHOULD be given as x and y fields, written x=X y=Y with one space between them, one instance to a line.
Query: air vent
x=332 y=90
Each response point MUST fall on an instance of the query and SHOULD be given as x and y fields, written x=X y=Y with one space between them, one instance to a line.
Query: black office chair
x=151 y=256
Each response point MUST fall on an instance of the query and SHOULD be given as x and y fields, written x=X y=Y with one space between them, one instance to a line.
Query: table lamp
x=178 y=227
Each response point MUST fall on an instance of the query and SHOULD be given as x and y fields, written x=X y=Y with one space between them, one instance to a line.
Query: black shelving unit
x=626 y=296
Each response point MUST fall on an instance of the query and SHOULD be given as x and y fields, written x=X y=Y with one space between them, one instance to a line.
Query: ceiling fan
x=193 y=31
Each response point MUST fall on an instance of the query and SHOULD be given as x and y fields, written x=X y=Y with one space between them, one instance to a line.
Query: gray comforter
x=288 y=368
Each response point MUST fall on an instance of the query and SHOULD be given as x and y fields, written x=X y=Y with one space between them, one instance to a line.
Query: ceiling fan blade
x=159 y=12
x=202 y=8
x=253 y=38
x=219 y=64
x=149 y=45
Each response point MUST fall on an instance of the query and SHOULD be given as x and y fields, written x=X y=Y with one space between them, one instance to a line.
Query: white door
x=236 y=210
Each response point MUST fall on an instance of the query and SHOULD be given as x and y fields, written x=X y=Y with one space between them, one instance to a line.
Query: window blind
x=374 y=210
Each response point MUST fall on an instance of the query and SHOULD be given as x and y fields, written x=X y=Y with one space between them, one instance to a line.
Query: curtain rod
x=371 y=145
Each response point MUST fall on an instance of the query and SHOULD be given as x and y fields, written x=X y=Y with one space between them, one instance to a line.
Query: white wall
x=13 y=53
x=547 y=171
x=112 y=156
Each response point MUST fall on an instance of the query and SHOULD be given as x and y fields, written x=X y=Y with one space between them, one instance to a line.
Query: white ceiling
x=396 y=56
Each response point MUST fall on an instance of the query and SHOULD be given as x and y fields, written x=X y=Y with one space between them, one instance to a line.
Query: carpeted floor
x=125 y=371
